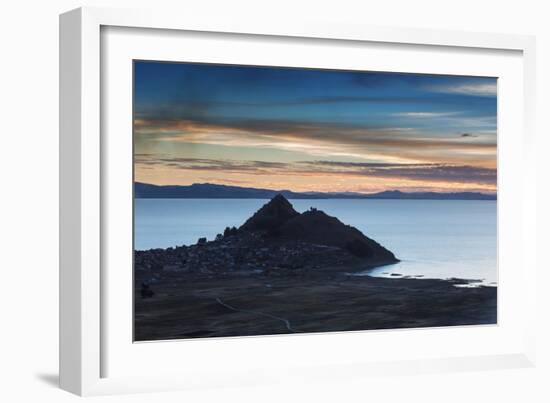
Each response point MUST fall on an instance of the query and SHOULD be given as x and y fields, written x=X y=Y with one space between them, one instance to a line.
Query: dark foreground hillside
x=258 y=304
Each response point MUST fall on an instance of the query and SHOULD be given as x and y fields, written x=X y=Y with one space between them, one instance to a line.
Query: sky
x=313 y=130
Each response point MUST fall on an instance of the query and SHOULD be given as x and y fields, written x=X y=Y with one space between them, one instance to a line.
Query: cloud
x=429 y=172
x=418 y=172
x=204 y=164
x=472 y=89
x=257 y=132
x=320 y=141
x=186 y=109
x=425 y=114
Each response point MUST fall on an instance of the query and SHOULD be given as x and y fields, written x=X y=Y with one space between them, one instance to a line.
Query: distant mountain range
x=212 y=191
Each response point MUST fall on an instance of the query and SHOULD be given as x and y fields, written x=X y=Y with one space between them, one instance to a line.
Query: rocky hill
x=278 y=220
x=271 y=216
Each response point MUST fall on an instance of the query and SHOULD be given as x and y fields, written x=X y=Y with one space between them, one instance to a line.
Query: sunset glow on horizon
x=313 y=130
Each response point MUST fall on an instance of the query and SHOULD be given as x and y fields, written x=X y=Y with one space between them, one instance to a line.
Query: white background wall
x=29 y=209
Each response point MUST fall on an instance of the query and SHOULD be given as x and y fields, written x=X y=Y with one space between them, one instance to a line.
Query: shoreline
x=459 y=282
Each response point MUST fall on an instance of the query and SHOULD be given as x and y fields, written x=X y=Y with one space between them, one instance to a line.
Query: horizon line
x=488 y=193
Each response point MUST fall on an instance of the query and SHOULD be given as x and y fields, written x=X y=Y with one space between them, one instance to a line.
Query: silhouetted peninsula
x=275 y=239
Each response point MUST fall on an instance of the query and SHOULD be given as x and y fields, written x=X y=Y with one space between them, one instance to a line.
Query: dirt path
x=285 y=321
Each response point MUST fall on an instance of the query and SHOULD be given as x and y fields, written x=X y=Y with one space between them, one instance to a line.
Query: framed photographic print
x=257 y=190
x=268 y=202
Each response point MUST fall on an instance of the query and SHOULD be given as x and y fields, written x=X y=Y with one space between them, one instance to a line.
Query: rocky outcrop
x=279 y=220
x=271 y=216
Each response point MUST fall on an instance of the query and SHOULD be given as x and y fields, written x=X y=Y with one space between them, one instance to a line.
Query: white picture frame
x=85 y=305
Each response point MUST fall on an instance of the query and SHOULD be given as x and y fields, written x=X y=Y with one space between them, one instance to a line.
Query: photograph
x=275 y=200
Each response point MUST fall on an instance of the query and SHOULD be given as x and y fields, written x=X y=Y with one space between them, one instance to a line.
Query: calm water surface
x=432 y=238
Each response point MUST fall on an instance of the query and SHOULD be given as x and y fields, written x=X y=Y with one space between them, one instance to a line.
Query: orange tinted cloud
x=314 y=175
x=389 y=144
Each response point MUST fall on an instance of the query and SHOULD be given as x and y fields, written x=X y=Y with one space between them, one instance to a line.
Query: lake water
x=432 y=238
